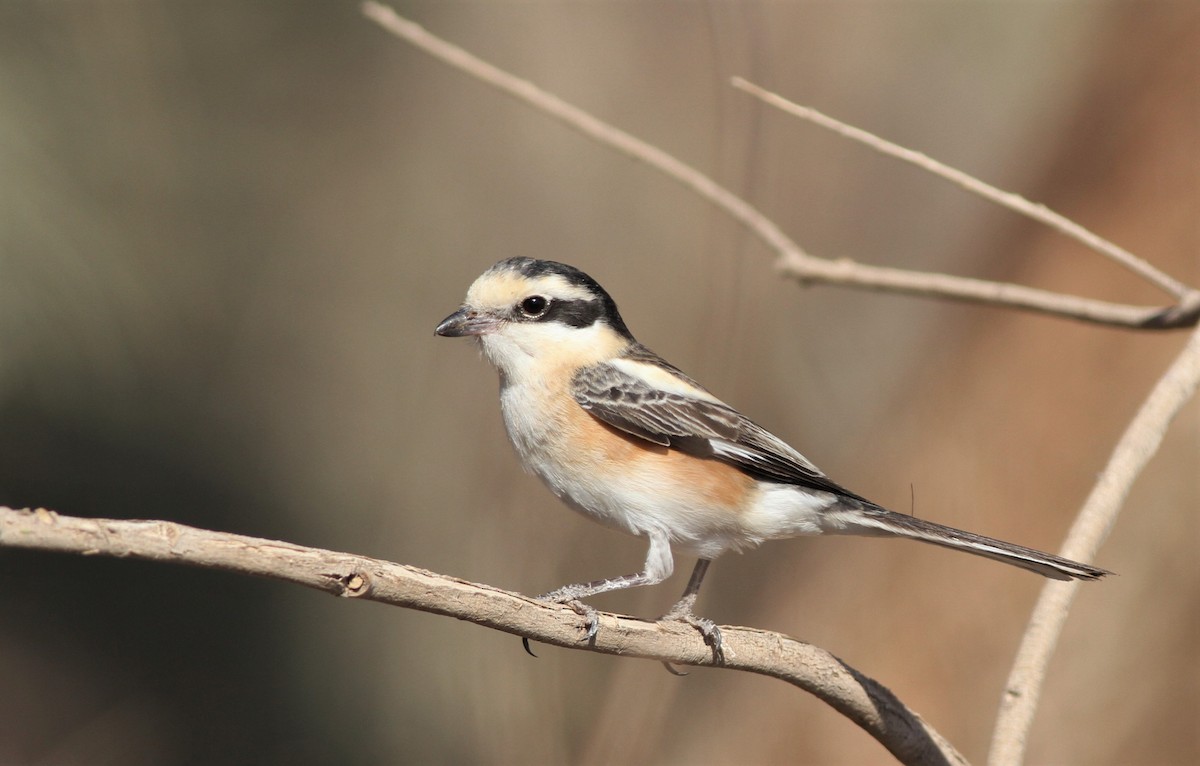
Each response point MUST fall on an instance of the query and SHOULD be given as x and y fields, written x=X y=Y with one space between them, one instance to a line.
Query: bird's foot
x=682 y=612
x=591 y=618
x=567 y=597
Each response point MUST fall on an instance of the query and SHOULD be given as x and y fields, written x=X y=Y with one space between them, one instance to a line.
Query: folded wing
x=643 y=395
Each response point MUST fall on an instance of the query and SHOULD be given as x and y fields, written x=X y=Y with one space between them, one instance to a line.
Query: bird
x=630 y=441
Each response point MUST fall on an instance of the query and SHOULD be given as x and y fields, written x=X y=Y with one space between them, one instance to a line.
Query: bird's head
x=529 y=314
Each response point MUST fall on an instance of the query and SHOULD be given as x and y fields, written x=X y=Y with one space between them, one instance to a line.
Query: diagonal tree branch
x=864 y=701
x=793 y=260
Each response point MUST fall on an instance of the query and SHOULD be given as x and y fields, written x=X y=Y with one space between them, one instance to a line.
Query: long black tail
x=880 y=521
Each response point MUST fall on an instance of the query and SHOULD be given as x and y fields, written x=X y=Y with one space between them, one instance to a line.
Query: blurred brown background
x=228 y=229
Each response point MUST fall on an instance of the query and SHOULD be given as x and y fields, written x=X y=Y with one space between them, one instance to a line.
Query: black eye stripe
x=573 y=313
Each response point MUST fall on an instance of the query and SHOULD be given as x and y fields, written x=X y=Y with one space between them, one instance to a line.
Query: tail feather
x=878 y=521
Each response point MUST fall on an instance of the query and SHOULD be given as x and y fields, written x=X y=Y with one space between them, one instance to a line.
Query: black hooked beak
x=466 y=321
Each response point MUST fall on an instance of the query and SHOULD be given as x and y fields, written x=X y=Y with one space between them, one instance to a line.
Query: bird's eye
x=534 y=306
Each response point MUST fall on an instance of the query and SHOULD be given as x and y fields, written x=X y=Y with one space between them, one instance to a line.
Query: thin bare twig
x=1014 y=202
x=806 y=268
x=794 y=261
x=1137 y=445
x=862 y=700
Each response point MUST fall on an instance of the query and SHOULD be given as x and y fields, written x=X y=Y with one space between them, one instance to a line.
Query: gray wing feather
x=691 y=424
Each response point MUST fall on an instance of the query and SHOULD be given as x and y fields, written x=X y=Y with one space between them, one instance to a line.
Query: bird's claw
x=707 y=628
x=591 y=618
x=590 y=615
x=712 y=636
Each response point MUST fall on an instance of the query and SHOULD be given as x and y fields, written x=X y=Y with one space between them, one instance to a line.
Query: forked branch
x=793 y=260
x=1014 y=202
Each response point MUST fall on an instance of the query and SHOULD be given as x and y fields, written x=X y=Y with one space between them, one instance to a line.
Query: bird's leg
x=570 y=595
x=658 y=567
x=682 y=611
